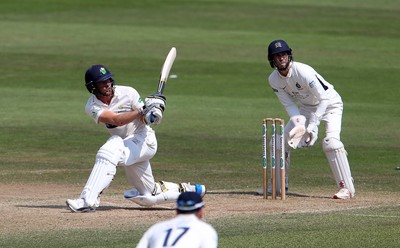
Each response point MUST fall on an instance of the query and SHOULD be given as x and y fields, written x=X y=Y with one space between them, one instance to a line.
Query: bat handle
x=161 y=87
x=152 y=118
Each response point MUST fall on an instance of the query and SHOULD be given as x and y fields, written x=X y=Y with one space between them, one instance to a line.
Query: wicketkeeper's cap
x=189 y=202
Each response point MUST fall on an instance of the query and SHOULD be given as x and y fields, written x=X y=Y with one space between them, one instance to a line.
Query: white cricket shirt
x=303 y=86
x=183 y=231
x=125 y=99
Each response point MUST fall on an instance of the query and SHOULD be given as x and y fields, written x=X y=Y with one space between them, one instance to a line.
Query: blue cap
x=189 y=201
x=95 y=74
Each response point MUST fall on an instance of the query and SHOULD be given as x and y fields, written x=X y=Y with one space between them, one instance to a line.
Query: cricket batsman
x=309 y=99
x=132 y=144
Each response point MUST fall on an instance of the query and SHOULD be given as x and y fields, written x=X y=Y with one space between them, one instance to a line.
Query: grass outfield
x=211 y=130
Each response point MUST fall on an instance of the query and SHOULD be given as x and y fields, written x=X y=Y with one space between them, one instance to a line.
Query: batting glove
x=153 y=116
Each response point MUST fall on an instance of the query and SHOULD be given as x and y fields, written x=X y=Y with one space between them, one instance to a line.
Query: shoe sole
x=80 y=210
x=341 y=198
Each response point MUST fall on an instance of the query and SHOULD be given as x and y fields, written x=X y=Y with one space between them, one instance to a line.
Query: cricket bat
x=169 y=60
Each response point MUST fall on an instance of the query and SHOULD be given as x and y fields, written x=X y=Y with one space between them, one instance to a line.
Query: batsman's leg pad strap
x=181 y=188
x=161 y=185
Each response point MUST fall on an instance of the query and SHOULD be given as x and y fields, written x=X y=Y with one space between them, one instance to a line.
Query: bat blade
x=166 y=69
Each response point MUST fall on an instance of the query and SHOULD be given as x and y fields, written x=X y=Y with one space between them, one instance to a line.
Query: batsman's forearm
x=125 y=118
x=119 y=119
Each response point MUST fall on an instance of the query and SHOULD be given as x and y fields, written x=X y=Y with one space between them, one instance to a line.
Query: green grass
x=352 y=228
x=211 y=130
x=348 y=228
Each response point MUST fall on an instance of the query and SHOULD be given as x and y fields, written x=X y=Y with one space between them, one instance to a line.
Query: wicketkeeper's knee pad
x=330 y=144
x=112 y=150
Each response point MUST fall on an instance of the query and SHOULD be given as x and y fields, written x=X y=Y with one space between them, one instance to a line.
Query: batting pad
x=100 y=178
x=150 y=200
x=337 y=158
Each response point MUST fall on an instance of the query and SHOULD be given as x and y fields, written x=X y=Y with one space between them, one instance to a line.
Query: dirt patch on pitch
x=30 y=208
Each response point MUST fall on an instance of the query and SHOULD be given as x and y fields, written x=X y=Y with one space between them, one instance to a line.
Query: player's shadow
x=101 y=208
x=289 y=194
x=158 y=208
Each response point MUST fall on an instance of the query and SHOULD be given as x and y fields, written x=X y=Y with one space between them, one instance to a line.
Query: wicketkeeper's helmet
x=95 y=74
x=278 y=46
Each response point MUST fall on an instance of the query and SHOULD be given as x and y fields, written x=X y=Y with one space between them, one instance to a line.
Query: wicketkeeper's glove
x=295 y=135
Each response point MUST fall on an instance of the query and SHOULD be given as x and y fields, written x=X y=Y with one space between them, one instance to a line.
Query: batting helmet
x=95 y=74
x=278 y=46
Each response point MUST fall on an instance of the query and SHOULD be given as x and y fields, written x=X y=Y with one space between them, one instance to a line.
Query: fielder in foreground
x=185 y=230
x=132 y=144
x=308 y=99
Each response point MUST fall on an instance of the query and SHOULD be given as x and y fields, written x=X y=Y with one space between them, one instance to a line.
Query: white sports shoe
x=79 y=205
x=198 y=188
x=342 y=194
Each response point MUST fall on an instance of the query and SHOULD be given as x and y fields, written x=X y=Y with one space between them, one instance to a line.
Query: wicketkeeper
x=309 y=99
x=132 y=144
